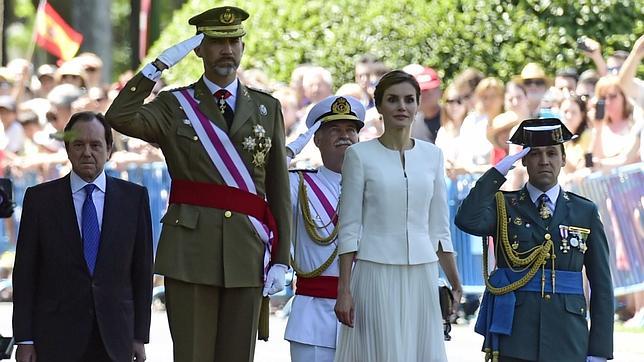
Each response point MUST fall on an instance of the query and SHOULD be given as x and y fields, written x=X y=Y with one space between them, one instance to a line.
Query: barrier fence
x=618 y=195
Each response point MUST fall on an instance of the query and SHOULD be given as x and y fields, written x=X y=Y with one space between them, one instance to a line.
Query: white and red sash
x=324 y=202
x=226 y=159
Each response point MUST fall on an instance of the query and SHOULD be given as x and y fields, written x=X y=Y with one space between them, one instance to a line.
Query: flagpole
x=32 y=43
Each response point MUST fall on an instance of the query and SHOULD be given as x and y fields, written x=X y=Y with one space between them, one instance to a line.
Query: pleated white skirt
x=397 y=315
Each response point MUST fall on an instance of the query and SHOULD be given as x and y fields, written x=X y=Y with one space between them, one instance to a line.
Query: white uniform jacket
x=312 y=320
x=392 y=213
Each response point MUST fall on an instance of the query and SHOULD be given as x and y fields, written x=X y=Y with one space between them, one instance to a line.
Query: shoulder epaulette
x=572 y=194
x=310 y=170
x=262 y=91
x=183 y=87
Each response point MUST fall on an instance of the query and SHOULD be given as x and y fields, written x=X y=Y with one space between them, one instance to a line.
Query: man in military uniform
x=227 y=229
x=534 y=307
x=312 y=325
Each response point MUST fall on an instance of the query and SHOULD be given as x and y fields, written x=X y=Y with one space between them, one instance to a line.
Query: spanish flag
x=55 y=35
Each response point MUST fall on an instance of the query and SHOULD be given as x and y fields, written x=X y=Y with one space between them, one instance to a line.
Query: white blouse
x=392 y=213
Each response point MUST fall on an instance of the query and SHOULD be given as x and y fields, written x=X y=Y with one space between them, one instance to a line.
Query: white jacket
x=390 y=213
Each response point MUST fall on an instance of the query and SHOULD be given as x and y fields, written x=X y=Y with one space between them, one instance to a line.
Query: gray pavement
x=464 y=346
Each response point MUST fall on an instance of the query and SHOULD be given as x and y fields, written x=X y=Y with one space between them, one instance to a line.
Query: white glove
x=275 y=279
x=595 y=359
x=298 y=144
x=505 y=165
x=175 y=53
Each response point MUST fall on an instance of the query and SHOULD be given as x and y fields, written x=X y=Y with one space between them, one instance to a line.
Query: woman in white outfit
x=394 y=221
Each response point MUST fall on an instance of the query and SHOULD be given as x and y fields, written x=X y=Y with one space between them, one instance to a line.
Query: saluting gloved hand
x=505 y=165
x=175 y=53
x=300 y=142
x=275 y=279
x=171 y=56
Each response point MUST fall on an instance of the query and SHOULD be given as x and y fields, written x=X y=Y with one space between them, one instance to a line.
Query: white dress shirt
x=98 y=196
x=392 y=213
x=552 y=193
x=232 y=88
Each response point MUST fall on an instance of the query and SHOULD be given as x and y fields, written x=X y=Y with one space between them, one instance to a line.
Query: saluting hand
x=505 y=165
x=175 y=53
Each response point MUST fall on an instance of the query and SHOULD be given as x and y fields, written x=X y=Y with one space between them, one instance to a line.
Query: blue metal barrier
x=619 y=197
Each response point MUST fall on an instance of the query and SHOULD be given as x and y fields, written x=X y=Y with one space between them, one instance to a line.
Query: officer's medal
x=563 y=232
x=258 y=144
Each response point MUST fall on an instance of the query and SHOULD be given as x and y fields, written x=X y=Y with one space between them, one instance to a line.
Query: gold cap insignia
x=227 y=17
x=341 y=106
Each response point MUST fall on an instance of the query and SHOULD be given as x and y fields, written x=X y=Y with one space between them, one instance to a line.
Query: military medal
x=262 y=110
x=518 y=221
x=578 y=240
x=563 y=231
x=258 y=144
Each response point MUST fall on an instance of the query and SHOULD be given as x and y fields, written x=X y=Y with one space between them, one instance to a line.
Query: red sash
x=225 y=198
x=318 y=287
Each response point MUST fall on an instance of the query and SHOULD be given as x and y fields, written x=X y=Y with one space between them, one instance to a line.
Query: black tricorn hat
x=540 y=132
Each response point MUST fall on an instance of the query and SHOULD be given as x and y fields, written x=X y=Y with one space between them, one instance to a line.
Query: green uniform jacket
x=552 y=328
x=198 y=244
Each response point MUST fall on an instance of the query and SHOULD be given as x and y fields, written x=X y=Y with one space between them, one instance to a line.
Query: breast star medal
x=258 y=144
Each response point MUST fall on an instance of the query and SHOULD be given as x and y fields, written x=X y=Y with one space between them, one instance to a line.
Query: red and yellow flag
x=55 y=35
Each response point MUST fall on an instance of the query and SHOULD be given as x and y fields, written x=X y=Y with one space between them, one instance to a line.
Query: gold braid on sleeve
x=536 y=256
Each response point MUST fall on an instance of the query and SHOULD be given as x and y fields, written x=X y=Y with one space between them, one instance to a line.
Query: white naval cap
x=337 y=108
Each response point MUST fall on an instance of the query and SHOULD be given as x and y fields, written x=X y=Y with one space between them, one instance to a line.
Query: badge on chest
x=573 y=237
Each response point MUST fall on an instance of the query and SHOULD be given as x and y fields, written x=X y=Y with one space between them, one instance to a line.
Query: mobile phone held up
x=581 y=44
x=600 y=109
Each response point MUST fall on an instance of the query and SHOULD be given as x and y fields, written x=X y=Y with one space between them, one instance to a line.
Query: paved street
x=464 y=346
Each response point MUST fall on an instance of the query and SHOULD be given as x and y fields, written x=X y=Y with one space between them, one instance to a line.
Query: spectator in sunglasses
x=447 y=139
x=535 y=81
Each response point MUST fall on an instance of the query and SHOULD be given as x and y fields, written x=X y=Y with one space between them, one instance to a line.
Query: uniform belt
x=224 y=197
x=318 y=287
x=496 y=313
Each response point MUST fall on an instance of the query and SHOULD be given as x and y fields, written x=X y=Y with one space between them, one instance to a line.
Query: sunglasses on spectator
x=458 y=100
x=537 y=82
x=51 y=117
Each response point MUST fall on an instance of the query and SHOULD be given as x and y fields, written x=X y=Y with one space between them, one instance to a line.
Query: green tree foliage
x=495 y=36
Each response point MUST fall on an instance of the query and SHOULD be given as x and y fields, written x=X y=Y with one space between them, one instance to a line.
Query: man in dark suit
x=225 y=237
x=534 y=308
x=83 y=271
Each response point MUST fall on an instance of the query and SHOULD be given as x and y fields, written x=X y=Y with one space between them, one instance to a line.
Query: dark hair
x=584 y=117
x=367 y=59
x=392 y=78
x=88 y=117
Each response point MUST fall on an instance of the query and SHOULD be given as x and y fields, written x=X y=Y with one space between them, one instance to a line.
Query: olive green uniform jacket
x=198 y=244
x=552 y=328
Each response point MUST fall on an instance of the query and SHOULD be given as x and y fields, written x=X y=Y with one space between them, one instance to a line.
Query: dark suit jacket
x=553 y=328
x=56 y=300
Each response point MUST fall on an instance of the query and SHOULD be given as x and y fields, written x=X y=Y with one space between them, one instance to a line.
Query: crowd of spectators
x=469 y=117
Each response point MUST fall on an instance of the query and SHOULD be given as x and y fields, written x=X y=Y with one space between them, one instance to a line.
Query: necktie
x=544 y=210
x=225 y=109
x=91 y=233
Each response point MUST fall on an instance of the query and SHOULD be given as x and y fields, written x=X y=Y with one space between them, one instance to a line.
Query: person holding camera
x=615 y=142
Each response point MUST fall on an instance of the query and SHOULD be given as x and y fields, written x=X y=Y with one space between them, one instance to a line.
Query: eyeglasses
x=535 y=82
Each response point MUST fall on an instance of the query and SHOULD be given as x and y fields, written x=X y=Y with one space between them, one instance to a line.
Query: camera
x=581 y=44
x=6 y=198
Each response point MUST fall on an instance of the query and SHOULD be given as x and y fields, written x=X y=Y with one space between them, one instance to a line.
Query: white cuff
x=151 y=72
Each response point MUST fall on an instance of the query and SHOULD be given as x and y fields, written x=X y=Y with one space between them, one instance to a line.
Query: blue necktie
x=91 y=233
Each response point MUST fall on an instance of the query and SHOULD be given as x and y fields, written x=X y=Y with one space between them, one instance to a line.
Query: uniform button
x=133 y=89
x=496 y=182
x=228 y=214
x=176 y=221
x=195 y=138
x=547 y=236
x=547 y=296
x=581 y=309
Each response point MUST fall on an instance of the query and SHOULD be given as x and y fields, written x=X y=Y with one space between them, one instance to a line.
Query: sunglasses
x=537 y=82
x=458 y=100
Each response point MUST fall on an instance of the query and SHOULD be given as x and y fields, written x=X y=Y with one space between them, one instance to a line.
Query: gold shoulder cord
x=536 y=256
x=311 y=230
